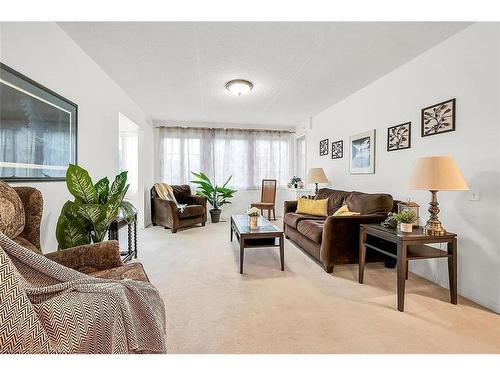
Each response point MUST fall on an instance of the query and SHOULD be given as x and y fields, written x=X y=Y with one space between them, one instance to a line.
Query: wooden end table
x=131 y=225
x=266 y=235
x=405 y=247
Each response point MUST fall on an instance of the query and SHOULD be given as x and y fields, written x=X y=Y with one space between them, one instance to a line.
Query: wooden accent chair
x=267 y=198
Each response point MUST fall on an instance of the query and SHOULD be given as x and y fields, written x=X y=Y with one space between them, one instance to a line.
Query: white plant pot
x=407 y=228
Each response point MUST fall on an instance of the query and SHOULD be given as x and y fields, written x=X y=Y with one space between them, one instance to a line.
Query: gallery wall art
x=323 y=147
x=338 y=149
x=438 y=118
x=362 y=153
x=38 y=130
x=399 y=137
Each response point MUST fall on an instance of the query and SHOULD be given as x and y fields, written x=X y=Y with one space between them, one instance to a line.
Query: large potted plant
x=216 y=195
x=87 y=218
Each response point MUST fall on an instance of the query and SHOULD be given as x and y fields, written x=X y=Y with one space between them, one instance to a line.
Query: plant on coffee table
x=216 y=195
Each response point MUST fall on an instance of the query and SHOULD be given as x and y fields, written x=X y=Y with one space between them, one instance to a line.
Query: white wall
x=465 y=67
x=46 y=54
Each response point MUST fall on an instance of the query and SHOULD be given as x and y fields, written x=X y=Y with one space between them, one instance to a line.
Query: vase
x=215 y=215
x=406 y=227
x=253 y=222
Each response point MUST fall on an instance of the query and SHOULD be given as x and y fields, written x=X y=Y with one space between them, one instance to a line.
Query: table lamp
x=436 y=173
x=316 y=176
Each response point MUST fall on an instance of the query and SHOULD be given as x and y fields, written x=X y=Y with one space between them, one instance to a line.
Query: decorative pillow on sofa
x=344 y=211
x=315 y=207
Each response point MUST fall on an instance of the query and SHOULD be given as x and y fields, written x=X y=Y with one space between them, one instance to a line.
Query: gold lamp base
x=433 y=226
x=433 y=229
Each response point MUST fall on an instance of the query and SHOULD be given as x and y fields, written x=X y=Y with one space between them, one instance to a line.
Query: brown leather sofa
x=165 y=213
x=335 y=239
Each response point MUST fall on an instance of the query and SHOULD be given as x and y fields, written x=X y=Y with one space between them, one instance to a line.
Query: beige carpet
x=211 y=308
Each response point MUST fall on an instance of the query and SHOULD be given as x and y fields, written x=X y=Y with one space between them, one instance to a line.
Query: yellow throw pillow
x=344 y=211
x=316 y=207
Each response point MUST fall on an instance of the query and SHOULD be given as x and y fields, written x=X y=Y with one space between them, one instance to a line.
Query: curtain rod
x=208 y=128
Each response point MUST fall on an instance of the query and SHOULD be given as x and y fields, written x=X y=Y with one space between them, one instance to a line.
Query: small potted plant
x=253 y=215
x=295 y=181
x=405 y=220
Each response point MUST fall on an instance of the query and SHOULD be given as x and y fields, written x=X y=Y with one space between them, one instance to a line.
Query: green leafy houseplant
x=87 y=218
x=216 y=195
x=405 y=219
x=406 y=216
x=295 y=181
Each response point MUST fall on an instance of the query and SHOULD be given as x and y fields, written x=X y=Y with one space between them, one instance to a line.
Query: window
x=247 y=155
x=300 y=154
x=180 y=156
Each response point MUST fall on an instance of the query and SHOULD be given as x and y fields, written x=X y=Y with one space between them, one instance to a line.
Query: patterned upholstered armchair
x=20 y=218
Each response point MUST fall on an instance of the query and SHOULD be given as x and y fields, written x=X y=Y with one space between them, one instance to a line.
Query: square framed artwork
x=38 y=130
x=399 y=137
x=362 y=153
x=323 y=147
x=338 y=149
x=438 y=118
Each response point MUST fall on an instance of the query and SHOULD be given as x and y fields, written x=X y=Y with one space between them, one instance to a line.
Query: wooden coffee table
x=266 y=235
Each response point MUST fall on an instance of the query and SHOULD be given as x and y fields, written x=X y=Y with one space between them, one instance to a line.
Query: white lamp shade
x=316 y=175
x=439 y=173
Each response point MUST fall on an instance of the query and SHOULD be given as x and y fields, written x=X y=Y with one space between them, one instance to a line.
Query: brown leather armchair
x=165 y=212
x=21 y=211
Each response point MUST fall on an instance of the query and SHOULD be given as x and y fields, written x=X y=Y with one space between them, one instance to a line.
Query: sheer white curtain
x=247 y=155
x=182 y=151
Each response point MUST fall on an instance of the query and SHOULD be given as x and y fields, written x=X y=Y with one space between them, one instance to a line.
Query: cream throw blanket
x=165 y=191
x=48 y=308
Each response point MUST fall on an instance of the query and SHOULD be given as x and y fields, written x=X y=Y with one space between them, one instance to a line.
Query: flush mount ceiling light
x=239 y=87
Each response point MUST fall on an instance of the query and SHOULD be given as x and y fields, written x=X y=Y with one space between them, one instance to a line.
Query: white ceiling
x=177 y=71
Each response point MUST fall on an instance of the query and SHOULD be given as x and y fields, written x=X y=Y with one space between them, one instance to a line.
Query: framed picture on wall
x=362 y=153
x=323 y=147
x=399 y=137
x=438 y=118
x=38 y=130
x=338 y=149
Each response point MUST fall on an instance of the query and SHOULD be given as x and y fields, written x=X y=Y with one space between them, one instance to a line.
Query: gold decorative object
x=253 y=222
x=436 y=173
x=253 y=217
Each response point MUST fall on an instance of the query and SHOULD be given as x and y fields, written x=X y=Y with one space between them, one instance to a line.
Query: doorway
x=128 y=156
